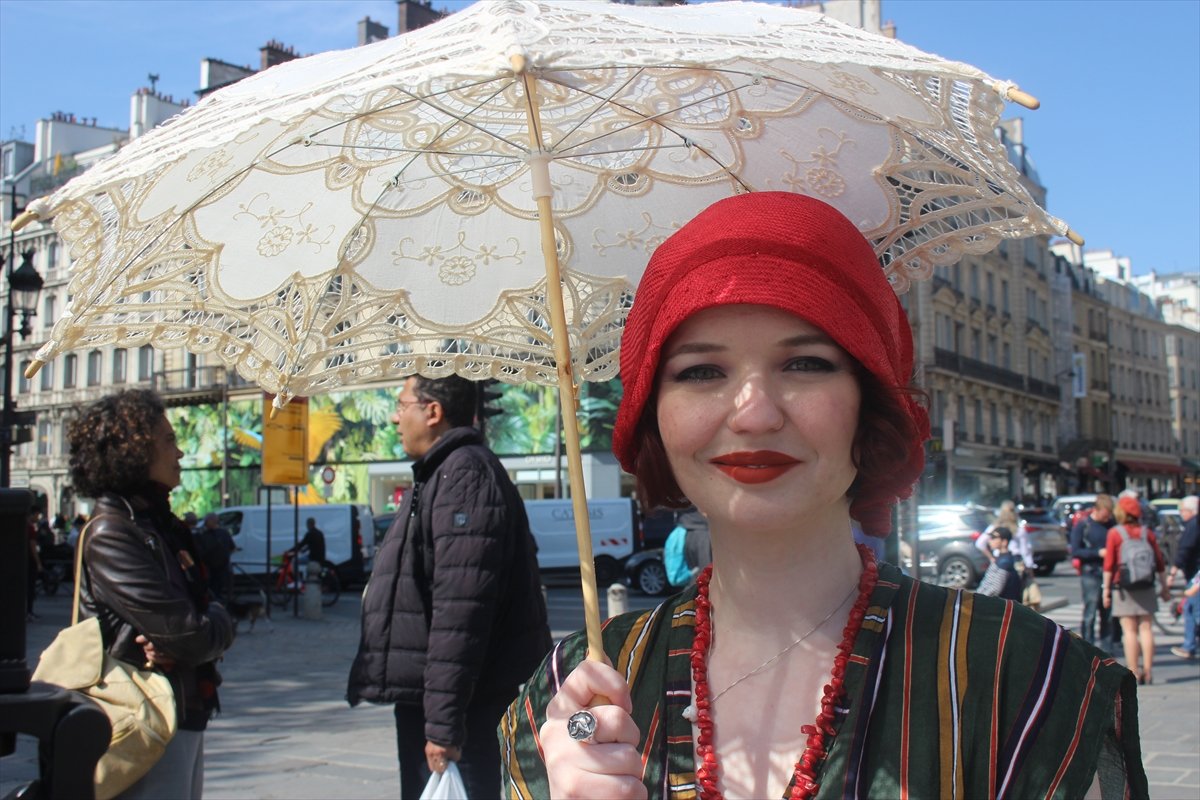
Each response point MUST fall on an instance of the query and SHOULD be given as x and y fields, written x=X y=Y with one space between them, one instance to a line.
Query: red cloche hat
x=790 y=252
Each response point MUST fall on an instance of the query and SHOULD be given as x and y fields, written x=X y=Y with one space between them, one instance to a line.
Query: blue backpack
x=674 y=562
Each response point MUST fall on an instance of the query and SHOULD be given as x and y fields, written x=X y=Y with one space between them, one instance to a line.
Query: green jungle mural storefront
x=353 y=433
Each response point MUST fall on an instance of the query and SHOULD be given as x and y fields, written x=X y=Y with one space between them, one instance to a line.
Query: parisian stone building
x=1048 y=369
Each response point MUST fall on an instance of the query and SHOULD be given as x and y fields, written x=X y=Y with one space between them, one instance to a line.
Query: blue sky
x=1115 y=141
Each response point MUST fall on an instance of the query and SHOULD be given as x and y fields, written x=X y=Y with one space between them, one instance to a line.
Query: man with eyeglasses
x=453 y=616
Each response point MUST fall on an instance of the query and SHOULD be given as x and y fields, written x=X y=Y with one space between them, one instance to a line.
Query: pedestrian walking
x=1002 y=579
x=1088 y=540
x=215 y=545
x=688 y=549
x=1006 y=517
x=33 y=567
x=140 y=576
x=453 y=619
x=1187 y=563
x=1131 y=561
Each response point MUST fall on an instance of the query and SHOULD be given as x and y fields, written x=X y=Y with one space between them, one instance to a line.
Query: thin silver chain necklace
x=690 y=714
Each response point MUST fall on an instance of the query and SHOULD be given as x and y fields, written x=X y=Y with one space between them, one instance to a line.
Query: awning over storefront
x=1191 y=465
x=1152 y=467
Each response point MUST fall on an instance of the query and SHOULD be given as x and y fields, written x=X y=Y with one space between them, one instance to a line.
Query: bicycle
x=286 y=582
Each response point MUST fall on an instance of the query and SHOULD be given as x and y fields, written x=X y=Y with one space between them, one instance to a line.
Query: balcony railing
x=1043 y=389
x=191 y=386
x=973 y=368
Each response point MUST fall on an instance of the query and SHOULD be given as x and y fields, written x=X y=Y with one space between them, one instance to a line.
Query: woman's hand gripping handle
x=606 y=764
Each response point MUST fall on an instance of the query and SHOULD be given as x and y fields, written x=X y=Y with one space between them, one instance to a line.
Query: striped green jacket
x=1020 y=707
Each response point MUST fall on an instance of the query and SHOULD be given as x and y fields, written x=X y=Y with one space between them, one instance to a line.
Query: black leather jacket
x=134 y=583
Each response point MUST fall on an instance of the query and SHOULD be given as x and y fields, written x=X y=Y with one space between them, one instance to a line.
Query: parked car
x=645 y=571
x=946 y=549
x=1165 y=504
x=1046 y=533
x=655 y=528
x=1067 y=505
x=382 y=522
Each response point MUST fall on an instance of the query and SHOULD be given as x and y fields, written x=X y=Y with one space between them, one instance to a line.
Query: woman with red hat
x=766 y=365
x=1133 y=602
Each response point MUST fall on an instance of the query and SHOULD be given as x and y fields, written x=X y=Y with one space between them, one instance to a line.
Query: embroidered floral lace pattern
x=366 y=214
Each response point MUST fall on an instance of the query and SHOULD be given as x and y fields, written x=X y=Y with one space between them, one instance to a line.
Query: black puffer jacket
x=134 y=582
x=453 y=614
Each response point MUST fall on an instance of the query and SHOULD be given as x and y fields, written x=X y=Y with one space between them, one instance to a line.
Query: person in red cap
x=1131 y=562
x=767 y=365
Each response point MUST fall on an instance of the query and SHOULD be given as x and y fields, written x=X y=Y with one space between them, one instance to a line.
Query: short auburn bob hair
x=803 y=256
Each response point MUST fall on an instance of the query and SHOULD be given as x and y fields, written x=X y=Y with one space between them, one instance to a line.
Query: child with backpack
x=1131 y=561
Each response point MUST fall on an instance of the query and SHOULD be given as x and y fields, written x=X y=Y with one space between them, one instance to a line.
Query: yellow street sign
x=285 y=443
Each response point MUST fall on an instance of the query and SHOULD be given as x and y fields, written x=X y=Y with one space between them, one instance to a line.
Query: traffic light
x=19 y=429
x=486 y=396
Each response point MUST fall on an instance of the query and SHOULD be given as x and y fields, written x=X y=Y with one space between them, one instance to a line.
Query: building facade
x=1047 y=369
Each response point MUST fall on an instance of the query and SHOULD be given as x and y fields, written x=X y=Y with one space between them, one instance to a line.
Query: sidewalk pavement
x=286 y=732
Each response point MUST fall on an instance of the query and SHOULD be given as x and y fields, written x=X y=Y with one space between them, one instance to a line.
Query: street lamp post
x=24 y=285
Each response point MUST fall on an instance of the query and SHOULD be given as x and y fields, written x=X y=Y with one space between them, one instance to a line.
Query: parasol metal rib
x=22 y=219
x=543 y=190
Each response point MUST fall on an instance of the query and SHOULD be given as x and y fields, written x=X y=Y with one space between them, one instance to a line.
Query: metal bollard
x=618 y=600
x=312 y=591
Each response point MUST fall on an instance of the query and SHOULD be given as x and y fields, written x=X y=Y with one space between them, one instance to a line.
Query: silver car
x=946 y=549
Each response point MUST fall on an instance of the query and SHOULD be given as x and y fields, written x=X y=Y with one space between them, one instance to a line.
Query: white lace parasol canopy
x=370 y=213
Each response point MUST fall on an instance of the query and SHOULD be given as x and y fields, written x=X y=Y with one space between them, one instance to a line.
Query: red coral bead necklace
x=815 y=751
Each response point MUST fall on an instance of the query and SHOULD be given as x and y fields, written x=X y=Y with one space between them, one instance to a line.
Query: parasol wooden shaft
x=539 y=164
x=570 y=428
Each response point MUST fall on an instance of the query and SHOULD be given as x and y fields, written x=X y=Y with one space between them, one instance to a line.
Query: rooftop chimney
x=413 y=14
x=274 y=52
x=371 y=31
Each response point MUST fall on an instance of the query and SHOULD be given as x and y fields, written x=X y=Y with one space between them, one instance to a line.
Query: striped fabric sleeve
x=628 y=641
x=522 y=764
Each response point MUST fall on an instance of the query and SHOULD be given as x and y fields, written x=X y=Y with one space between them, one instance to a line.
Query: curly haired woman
x=140 y=574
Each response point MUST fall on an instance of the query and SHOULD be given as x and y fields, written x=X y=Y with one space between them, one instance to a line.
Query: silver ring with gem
x=581 y=726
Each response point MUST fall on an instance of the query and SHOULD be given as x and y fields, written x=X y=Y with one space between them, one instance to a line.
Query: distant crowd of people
x=1116 y=549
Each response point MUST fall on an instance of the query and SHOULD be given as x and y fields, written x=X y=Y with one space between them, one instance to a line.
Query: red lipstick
x=758 y=466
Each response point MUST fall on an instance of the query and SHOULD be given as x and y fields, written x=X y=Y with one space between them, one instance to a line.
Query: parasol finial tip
x=1074 y=236
x=34 y=367
x=1015 y=95
x=517 y=61
x=22 y=219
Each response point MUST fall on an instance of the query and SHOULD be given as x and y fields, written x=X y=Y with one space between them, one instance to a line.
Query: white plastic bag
x=446 y=785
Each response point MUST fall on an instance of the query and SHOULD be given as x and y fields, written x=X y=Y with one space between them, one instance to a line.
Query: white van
x=614 y=528
x=342 y=525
